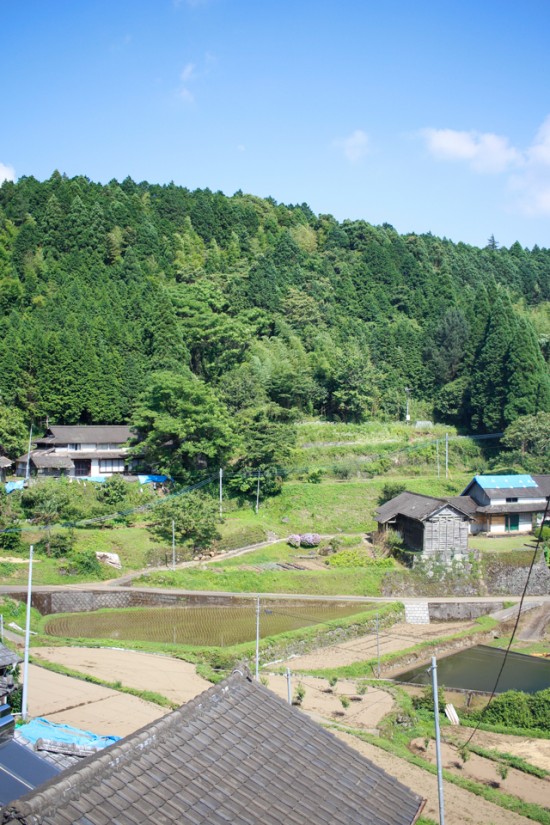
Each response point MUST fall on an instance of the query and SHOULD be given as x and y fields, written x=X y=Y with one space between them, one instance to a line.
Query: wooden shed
x=432 y=526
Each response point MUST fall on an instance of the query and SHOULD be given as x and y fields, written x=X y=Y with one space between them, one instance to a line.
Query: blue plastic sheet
x=14 y=485
x=41 y=728
x=152 y=479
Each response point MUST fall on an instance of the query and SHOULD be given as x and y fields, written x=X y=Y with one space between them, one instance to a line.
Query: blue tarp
x=96 y=479
x=505 y=482
x=14 y=485
x=40 y=728
x=150 y=479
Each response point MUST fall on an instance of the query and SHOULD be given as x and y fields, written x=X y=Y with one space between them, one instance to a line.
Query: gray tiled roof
x=81 y=434
x=8 y=657
x=236 y=754
x=414 y=505
x=5 y=462
x=543 y=483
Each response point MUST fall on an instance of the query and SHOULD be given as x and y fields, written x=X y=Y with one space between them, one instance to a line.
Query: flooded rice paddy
x=199 y=625
x=477 y=667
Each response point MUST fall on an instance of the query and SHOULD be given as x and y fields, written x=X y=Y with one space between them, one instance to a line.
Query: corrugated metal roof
x=237 y=753
x=505 y=482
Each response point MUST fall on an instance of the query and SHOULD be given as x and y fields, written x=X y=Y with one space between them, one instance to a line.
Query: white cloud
x=355 y=146
x=485 y=152
x=527 y=170
x=187 y=75
x=6 y=172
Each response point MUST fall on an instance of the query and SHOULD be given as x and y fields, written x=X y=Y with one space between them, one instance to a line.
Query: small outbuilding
x=432 y=526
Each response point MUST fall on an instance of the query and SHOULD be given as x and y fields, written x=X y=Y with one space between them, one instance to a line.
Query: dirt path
x=461 y=807
x=172 y=678
x=398 y=637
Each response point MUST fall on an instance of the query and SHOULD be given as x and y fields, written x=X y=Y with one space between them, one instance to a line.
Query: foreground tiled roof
x=236 y=754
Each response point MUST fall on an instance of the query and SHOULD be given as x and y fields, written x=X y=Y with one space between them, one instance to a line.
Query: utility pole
x=25 y=697
x=438 y=742
x=221 y=494
x=258 y=494
x=173 y=544
x=28 y=470
x=446 y=455
x=2 y=627
x=257 y=638
x=288 y=686
x=407 y=414
x=378 y=642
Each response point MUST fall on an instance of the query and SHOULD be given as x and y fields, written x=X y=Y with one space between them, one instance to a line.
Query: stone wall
x=456 y=611
x=79 y=601
x=503 y=577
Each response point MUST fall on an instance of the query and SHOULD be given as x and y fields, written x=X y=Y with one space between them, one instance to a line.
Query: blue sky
x=429 y=115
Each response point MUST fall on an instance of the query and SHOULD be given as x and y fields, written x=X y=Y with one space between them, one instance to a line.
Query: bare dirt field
x=398 y=637
x=101 y=710
x=172 y=678
x=461 y=807
x=526 y=787
x=323 y=702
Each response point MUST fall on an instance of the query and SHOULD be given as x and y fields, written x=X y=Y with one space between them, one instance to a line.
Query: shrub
x=299 y=694
x=315 y=476
x=83 y=563
x=57 y=544
x=345 y=702
x=390 y=490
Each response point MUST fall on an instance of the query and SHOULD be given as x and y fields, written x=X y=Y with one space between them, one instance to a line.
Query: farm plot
x=219 y=626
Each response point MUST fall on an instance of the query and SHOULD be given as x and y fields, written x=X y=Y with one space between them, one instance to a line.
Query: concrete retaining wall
x=454 y=611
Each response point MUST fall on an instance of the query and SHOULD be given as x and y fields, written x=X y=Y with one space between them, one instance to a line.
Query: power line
x=524 y=593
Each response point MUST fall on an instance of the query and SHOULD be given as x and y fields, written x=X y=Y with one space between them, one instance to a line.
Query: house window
x=111 y=465
x=511 y=500
x=73 y=446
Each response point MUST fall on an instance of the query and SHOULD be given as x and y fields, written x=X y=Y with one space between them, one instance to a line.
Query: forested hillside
x=116 y=296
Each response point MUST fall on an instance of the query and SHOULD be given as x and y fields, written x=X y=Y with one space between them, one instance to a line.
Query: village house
x=507 y=503
x=237 y=753
x=78 y=451
x=433 y=526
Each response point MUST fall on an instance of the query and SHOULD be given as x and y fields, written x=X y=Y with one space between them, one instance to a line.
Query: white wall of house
x=498 y=526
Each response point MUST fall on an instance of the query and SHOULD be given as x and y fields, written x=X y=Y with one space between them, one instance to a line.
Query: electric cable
x=516 y=624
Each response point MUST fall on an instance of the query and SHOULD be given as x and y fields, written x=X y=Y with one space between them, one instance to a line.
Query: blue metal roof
x=505 y=482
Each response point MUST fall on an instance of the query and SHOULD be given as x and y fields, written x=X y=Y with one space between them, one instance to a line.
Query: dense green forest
x=155 y=304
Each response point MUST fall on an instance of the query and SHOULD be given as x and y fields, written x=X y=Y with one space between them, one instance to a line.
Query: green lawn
x=495 y=545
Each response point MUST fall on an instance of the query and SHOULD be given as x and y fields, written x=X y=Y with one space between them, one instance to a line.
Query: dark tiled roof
x=413 y=505
x=49 y=459
x=514 y=492
x=97 y=434
x=543 y=484
x=464 y=503
x=8 y=657
x=236 y=754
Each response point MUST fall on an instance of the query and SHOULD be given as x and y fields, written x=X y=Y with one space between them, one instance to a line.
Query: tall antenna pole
x=221 y=494
x=24 y=700
x=257 y=638
x=288 y=686
x=28 y=470
x=446 y=455
x=438 y=743
x=437 y=455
